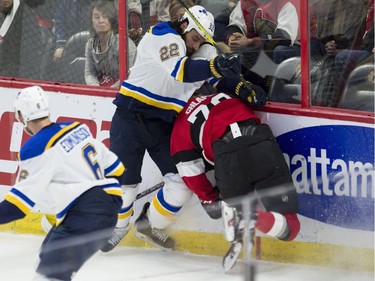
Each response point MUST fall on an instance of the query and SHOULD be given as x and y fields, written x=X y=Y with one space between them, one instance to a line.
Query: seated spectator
x=138 y=22
x=342 y=21
x=217 y=6
x=21 y=44
x=134 y=10
x=254 y=25
x=44 y=13
x=222 y=21
x=102 y=56
x=359 y=46
x=71 y=17
x=272 y=26
x=348 y=38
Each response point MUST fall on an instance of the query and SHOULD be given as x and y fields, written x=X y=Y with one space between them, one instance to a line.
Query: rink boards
x=331 y=162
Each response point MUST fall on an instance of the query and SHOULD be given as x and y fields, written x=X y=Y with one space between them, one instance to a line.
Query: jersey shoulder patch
x=45 y=139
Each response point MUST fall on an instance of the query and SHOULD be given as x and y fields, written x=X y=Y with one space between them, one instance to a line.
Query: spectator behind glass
x=102 y=55
x=71 y=16
x=44 y=13
x=175 y=9
x=347 y=34
x=222 y=21
x=20 y=40
x=342 y=21
x=351 y=45
x=271 y=26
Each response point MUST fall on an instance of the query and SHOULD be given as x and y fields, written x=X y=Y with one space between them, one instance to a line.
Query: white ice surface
x=19 y=258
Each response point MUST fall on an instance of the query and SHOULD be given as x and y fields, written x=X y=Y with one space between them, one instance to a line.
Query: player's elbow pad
x=196 y=70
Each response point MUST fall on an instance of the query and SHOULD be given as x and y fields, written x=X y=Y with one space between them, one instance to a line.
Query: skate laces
x=161 y=235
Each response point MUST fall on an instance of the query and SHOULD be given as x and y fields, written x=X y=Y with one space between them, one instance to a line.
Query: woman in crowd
x=102 y=56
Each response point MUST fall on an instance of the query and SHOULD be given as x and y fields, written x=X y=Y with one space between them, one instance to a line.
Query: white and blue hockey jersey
x=64 y=161
x=157 y=81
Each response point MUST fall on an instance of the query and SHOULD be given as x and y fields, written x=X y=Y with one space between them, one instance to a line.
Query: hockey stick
x=47 y=225
x=213 y=42
x=149 y=190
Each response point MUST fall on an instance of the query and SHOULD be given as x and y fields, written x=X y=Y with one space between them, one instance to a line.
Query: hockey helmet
x=32 y=103
x=202 y=16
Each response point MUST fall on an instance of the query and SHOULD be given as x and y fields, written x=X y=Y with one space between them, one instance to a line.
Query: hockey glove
x=226 y=65
x=212 y=208
x=251 y=94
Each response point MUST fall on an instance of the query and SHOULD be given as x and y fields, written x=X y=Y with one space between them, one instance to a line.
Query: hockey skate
x=232 y=255
x=114 y=240
x=156 y=237
x=234 y=230
x=233 y=227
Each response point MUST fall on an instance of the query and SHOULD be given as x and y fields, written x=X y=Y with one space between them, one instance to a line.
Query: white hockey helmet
x=33 y=104
x=204 y=17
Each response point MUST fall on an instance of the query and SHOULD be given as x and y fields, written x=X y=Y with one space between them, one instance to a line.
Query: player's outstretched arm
x=199 y=70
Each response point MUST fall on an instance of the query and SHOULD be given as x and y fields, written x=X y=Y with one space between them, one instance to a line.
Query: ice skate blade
x=149 y=240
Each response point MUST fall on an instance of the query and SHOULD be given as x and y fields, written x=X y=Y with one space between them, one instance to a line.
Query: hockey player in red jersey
x=223 y=131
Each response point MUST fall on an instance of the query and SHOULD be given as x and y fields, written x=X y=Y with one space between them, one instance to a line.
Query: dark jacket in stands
x=21 y=46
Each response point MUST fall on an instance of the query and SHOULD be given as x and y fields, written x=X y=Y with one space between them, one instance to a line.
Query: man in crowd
x=21 y=44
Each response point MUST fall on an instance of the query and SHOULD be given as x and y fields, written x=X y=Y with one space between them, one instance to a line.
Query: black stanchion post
x=248 y=237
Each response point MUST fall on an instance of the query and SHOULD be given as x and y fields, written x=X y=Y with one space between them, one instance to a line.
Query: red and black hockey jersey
x=202 y=121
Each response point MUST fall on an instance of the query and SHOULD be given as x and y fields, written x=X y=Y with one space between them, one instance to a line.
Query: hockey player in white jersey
x=160 y=83
x=78 y=172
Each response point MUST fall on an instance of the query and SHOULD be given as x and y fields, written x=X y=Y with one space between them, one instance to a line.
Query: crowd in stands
x=59 y=40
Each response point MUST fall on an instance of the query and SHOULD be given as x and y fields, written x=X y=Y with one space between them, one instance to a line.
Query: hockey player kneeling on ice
x=78 y=172
x=222 y=130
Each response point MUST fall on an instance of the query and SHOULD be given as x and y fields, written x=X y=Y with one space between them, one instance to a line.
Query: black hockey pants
x=254 y=162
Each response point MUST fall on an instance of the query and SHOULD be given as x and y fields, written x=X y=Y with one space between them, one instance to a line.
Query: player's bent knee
x=168 y=201
x=175 y=192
